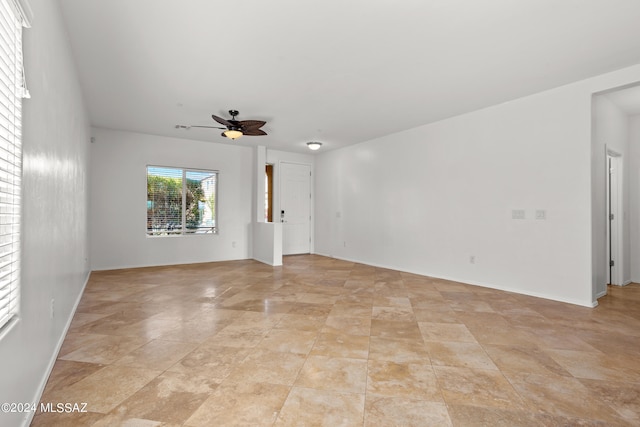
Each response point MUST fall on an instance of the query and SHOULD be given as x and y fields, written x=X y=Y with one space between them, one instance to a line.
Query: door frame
x=270 y=198
x=614 y=206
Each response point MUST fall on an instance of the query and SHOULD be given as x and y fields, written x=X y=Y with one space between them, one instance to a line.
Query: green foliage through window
x=180 y=201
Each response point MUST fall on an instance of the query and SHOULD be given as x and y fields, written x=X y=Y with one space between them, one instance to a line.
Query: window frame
x=14 y=16
x=184 y=230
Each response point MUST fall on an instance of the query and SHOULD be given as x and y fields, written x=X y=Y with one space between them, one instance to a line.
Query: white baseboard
x=266 y=262
x=147 y=265
x=52 y=362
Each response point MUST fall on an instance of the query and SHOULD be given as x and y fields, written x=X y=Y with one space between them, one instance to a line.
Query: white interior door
x=295 y=208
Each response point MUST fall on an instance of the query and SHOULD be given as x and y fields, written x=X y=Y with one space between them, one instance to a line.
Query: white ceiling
x=336 y=71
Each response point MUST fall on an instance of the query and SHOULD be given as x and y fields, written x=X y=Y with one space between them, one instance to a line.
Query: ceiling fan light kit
x=314 y=145
x=232 y=133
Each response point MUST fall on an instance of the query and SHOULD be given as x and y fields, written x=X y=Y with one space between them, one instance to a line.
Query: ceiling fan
x=234 y=129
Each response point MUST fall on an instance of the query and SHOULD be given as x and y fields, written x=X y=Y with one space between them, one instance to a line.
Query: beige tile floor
x=326 y=342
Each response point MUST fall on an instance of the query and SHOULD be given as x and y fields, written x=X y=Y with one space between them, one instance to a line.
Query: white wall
x=267 y=242
x=610 y=131
x=634 y=197
x=260 y=156
x=427 y=199
x=55 y=253
x=118 y=205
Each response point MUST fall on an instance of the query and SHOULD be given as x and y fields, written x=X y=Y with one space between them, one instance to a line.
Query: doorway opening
x=268 y=193
x=614 y=203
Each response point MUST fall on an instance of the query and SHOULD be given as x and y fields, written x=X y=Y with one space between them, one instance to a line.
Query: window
x=12 y=90
x=181 y=201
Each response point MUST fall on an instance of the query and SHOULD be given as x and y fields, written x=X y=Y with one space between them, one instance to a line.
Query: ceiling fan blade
x=209 y=127
x=251 y=124
x=221 y=120
x=253 y=132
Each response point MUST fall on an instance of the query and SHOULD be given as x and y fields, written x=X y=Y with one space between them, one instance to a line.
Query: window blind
x=164 y=201
x=181 y=201
x=12 y=90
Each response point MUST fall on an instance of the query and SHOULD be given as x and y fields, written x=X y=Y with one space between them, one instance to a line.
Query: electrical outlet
x=233 y=244
x=472 y=259
x=344 y=243
x=517 y=214
x=541 y=214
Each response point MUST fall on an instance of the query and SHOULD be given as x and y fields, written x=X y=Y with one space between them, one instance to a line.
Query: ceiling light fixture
x=232 y=133
x=314 y=145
